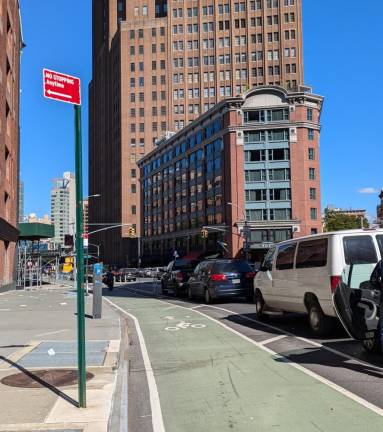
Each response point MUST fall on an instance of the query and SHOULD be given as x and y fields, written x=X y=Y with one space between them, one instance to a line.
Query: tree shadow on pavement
x=40 y=381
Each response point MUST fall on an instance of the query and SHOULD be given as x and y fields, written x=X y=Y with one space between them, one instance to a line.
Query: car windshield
x=233 y=267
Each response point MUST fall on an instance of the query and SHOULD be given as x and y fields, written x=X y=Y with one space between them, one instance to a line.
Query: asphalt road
x=337 y=365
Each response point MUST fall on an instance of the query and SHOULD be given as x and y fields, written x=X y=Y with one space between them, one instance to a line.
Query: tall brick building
x=157 y=66
x=249 y=164
x=10 y=47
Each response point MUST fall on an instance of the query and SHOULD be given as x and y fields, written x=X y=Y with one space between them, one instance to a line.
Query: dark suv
x=221 y=278
x=177 y=275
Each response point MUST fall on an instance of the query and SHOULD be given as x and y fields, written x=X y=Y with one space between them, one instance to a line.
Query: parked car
x=222 y=278
x=176 y=276
x=301 y=275
x=126 y=275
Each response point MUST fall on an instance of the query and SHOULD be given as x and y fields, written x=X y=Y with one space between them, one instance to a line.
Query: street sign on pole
x=66 y=88
x=61 y=87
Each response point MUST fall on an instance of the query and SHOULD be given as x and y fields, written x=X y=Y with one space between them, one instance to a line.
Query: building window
x=312 y=174
x=133 y=173
x=134 y=209
x=309 y=114
x=311 y=153
x=314 y=231
x=313 y=194
x=310 y=134
x=313 y=214
x=254 y=195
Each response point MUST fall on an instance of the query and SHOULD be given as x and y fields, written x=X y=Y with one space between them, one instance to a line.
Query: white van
x=300 y=275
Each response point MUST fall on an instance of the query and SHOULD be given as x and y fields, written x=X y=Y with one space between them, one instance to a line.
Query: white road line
x=273 y=339
x=51 y=333
x=157 y=420
x=309 y=341
x=196 y=307
x=301 y=368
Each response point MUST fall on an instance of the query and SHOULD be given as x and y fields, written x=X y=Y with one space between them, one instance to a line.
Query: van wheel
x=190 y=294
x=373 y=345
x=320 y=324
x=260 y=306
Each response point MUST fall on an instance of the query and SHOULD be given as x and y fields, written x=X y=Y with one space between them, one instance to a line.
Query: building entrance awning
x=8 y=232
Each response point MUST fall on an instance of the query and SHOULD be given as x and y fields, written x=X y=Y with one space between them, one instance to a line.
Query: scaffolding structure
x=29 y=268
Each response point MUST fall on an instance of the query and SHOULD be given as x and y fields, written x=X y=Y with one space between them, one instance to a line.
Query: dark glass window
x=232 y=266
x=285 y=258
x=359 y=250
x=312 y=253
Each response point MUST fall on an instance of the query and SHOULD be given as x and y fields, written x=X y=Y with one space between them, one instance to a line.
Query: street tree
x=335 y=221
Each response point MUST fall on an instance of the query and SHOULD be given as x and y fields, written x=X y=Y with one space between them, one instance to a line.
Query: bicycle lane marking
x=293 y=392
x=260 y=345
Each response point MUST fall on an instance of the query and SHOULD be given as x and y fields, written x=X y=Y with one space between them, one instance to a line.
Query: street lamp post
x=87 y=248
x=245 y=225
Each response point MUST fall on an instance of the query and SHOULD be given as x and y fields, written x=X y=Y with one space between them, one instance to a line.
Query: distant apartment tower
x=157 y=66
x=85 y=209
x=63 y=207
x=10 y=48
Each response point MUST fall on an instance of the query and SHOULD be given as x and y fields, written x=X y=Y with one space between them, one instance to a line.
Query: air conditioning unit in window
x=296 y=228
x=239 y=138
x=293 y=135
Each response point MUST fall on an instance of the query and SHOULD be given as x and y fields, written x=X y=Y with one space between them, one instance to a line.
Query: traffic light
x=204 y=233
x=68 y=240
x=132 y=231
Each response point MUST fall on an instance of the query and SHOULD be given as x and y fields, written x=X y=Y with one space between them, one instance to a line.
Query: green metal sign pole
x=80 y=262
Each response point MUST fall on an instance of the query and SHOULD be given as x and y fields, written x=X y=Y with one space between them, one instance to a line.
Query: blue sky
x=342 y=56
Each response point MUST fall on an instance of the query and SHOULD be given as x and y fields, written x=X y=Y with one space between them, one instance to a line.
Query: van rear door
x=356 y=300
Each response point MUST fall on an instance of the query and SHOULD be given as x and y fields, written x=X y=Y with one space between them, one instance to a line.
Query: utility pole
x=80 y=262
x=70 y=92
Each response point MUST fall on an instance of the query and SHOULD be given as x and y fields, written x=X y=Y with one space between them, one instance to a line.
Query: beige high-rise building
x=157 y=66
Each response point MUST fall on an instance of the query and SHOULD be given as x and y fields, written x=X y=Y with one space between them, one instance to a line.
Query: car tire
x=176 y=291
x=320 y=324
x=372 y=345
x=190 y=294
x=260 y=306
x=208 y=299
x=163 y=289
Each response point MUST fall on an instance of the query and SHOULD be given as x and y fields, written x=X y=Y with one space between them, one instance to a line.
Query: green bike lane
x=211 y=379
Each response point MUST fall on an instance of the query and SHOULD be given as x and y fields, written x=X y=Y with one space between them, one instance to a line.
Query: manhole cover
x=44 y=378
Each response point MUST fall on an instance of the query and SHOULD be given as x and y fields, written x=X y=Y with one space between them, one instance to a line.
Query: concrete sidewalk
x=38 y=342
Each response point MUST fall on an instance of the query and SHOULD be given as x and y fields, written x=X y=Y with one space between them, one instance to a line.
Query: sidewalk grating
x=64 y=354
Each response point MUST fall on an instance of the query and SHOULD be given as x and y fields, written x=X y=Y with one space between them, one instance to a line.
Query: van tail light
x=334 y=282
x=218 y=277
x=179 y=276
x=249 y=275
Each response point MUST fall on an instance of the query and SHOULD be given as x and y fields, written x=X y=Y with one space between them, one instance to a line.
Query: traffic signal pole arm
x=110 y=227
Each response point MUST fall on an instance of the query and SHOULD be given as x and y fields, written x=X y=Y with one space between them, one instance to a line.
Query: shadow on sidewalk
x=45 y=384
